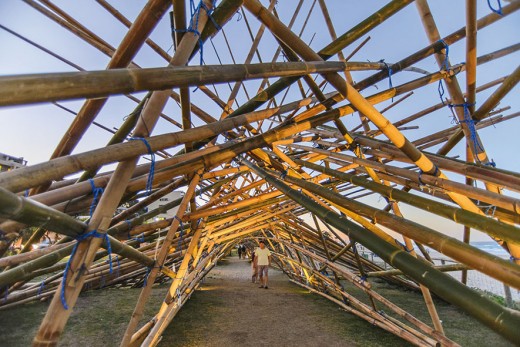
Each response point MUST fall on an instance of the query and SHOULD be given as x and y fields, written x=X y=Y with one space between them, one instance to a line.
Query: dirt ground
x=237 y=312
x=229 y=310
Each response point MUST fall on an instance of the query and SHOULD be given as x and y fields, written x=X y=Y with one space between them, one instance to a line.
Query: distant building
x=8 y=162
x=163 y=201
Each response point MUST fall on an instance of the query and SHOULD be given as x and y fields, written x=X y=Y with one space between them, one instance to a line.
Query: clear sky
x=33 y=131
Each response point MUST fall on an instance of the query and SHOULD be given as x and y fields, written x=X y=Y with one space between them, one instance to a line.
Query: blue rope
x=471 y=126
x=445 y=66
x=145 y=281
x=491 y=163
x=513 y=259
x=420 y=178
x=193 y=28
x=403 y=246
x=497 y=11
x=445 y=63
x=96 y=191
x=283 y=174
x=80 y=238
x=26 y=193
x=139 y=238
x=440 y=89
x=389 y=70
x=149 y=182
x=42 y=286
x=435 y=173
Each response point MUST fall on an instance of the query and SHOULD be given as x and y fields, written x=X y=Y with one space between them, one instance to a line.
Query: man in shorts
x=262 y=261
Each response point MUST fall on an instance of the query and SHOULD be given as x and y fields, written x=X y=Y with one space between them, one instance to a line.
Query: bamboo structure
x=269 y=132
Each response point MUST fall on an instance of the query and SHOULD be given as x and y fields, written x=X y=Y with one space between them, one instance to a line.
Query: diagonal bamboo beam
x=57 y=315
x=357 y=100
x=498 y=318
x=131 y=43
x=159 y=261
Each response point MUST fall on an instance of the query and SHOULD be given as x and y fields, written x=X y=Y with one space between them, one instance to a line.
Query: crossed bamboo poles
x=241 y=214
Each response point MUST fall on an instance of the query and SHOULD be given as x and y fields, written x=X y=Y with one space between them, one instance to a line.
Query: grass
x=101 y=317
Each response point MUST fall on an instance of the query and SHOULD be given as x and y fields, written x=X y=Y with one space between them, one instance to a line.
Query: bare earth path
x=229 y=310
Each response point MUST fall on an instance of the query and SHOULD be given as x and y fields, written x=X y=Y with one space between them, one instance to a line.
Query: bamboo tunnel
x=322 y=130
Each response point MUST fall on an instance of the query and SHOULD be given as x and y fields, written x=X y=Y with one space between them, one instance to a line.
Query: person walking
x=262 y=261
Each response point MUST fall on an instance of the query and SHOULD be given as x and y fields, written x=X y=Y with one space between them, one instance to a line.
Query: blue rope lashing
x=194 y=23
x=389 y=71
x=445 y=66
x=497 y=11
x=149 y=182
x=363 y=278
x=283 y=174
x=491 y=163
x=513 y=259
x=80 y=238
x=420 y=178
x=210 y=12
x=440 y=89
x=145 y=281
x=139 y=238
x=403 y=246
x=96 y=191
x=26 y=193
x=435 y=173
x=40 y=289
x=471 y=126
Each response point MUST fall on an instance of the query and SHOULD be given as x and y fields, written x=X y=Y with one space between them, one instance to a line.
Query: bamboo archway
x=280 y=150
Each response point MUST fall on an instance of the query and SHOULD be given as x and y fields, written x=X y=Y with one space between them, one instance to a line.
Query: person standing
x=262 y=261
x=239 y=251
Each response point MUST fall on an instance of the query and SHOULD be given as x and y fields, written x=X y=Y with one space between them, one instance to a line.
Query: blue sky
x=33 y=131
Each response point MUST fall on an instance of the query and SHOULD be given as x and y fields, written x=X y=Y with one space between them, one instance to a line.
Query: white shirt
x=263 y=256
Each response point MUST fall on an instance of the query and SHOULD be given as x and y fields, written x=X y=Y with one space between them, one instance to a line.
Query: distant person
x=244 y=251
x=263 y=260
x=254 y=267
x=239 y=250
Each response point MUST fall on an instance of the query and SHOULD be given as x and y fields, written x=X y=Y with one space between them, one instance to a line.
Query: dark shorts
x=263 y=270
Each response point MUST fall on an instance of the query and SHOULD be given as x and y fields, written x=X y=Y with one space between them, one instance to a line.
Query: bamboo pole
x=131 y=43
x=344 y=40
x=471 y=53
x=483 y=111
x=26 y=89
x=484 y=262
x=51 y=328
x=483 y=309
x=359 y=102
x=457 y=215
x=37 y=174
x=159 y=261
